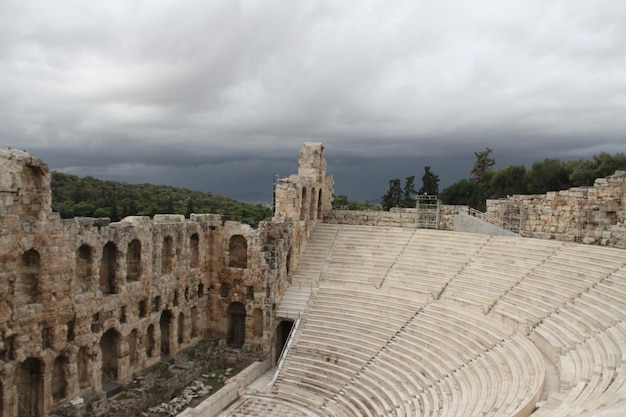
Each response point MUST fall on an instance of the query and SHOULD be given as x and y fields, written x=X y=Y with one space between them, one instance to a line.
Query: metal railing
x=283 y=354
x=495 y=220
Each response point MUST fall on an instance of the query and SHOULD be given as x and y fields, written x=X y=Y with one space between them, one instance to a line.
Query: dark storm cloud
x=166 y=91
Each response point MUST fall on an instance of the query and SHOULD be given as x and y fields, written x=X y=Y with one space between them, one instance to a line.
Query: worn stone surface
x=396 y=217
x=84 y=300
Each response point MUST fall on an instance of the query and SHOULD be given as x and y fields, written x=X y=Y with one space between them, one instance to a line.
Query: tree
x=393 y=196
x=508 y=181
x=602 y=165
x=549 y=175
x=430 y=183
x=464 y=193
x=481 y=166
x=408 y=192
x=190 y=209
x=340 y=201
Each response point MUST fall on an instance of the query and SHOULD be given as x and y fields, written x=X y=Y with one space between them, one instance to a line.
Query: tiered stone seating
x=431 y=259
x=409 y=364
x=315 y=255
x=369 y=347
x=306 y=277
x=552 y=285
x=339 y=337
x=586 y=338
x=501 y=263
x=364 y=255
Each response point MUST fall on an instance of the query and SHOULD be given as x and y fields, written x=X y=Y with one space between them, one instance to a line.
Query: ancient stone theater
x=432 y=311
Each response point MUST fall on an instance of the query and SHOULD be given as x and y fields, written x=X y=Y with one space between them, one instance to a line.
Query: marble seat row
x=409 y=366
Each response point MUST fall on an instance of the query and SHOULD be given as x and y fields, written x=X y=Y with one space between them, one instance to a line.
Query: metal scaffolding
x=428 y=212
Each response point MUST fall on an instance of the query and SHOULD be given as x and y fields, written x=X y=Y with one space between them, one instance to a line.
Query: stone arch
x=181 y=328
x=282 y=335
x=194 y=321
x=303 y=205
x=313 y=204
x=109 y=345
x=132 y=347
x=236 y=335
x=82 y=362
x=320 y=215
x=165 y=324
x=238 y=251
x=167 y=255
x=133 y=260
x=27 y=283
x=107 y=268
x=84 y=267
x=194 y=251
x=59 y=381
x=257 y=316
x=149 y=341
x=29 y=384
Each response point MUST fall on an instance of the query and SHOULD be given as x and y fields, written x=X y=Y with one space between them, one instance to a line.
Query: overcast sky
x=220 y=95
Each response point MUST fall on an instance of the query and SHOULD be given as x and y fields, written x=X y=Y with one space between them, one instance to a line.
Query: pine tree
x=430 y=183
x=482 y=165
x=408 y=192
x=393 y=196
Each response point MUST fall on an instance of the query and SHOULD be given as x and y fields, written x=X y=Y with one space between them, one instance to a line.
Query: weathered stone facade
x=84 y=301
x=594 y=215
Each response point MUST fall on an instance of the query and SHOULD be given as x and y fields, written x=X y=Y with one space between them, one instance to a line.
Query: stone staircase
x=307 y=276
x=293 y=303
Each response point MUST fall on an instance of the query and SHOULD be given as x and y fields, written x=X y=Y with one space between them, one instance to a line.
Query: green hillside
x=73 y=196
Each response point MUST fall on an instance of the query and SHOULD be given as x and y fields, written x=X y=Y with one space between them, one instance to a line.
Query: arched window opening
x=149 y=341
x=27 y=283
x=132 y=347
x=59 y=382
x=238 y=250
x=107 y=268
x=109 y=347
x=165 y=323
x=82 y=360
x=181 y=328
x=29 y=383
x=303 y=205
x=258 y=322
x=236 y=335
x=194 y=322
x=282 y=335
x=194 y=251
x=313 y=204
x=84 y=265
x=167 y=255
x=319 y=205
x=133 y=260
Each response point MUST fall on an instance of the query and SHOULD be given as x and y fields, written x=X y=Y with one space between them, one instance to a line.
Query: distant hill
x=73 y=196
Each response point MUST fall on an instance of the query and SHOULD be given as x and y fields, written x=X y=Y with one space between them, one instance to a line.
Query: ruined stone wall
x=594 y=215
x=84 y=301
x=305 y=199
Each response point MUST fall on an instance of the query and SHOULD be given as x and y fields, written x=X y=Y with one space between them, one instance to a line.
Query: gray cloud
x=157 y=91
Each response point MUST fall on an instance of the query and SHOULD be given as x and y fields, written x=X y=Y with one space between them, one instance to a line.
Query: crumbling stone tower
x=305 y=198
x=86 y=303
